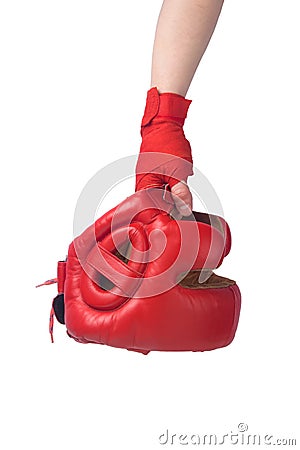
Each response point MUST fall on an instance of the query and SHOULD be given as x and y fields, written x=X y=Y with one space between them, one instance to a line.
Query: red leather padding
x=126 y=277
x=147 y=309
x=61 y=276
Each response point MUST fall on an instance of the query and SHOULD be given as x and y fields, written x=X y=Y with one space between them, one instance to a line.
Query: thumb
x=182 y=198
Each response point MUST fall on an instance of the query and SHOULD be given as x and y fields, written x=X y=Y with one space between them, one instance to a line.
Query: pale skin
x=183 y=31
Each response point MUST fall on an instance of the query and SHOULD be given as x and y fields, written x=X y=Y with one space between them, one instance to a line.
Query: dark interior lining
x=124 y=251
x=212 y=281
x=209 y=219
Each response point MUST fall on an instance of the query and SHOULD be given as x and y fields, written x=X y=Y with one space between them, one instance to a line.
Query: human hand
x=165 y=158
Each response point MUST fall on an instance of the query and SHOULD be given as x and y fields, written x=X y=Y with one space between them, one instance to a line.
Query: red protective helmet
x=141 y=280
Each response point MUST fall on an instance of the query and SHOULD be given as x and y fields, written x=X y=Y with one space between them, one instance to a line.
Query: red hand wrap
x=165 y=154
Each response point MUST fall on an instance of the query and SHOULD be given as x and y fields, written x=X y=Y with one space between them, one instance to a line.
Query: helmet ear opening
x=103 y=282
x=122 y=254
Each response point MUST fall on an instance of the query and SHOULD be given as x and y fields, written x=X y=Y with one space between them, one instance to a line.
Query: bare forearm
x=183 y=32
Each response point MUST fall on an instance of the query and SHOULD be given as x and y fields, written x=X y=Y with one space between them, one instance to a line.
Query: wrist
x=168 y=106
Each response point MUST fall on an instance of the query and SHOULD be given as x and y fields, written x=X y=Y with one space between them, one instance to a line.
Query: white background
x=74 y=76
